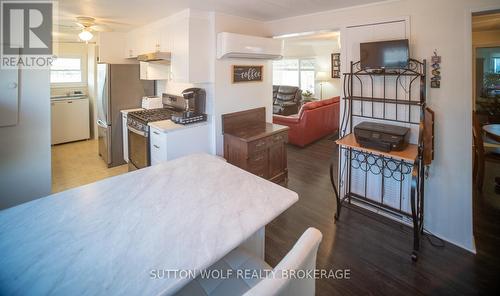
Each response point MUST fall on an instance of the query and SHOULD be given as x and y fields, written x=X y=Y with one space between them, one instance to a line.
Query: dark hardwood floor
x=375 y=249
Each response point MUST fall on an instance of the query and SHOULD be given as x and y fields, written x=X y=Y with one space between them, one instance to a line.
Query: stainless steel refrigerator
x=118 y=88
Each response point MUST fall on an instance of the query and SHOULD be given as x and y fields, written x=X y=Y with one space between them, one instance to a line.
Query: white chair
x=302 y=257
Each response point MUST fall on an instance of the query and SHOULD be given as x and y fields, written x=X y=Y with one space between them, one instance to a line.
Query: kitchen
x=92 y=98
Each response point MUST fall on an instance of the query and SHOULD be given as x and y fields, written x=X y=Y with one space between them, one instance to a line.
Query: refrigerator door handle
x=102 y=123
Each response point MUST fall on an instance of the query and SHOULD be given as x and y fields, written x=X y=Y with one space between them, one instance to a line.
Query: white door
x=351 y=37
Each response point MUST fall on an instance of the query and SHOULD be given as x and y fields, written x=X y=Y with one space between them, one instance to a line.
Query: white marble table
x=105 y=238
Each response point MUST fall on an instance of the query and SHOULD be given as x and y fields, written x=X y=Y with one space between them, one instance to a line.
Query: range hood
x=157 y=56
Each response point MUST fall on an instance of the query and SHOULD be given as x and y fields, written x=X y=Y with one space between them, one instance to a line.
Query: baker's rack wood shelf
x=403 y=166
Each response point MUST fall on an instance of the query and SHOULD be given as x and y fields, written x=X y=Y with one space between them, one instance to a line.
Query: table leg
x=337 y=197
x=256 y=243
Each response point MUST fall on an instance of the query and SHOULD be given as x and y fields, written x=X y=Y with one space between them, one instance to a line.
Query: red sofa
x=314 y=121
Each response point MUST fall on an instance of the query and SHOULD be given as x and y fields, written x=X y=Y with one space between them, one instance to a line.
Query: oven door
x=138 y=149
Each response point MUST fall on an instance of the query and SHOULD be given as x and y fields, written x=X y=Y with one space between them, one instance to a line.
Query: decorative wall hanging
x=436 y=70
x=335 y=65
x=245 y=73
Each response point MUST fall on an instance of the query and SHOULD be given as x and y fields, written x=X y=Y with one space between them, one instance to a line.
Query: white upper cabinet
x=180 y=51
x=110 y=47
x=165 y=40
x=132 y=43
x=186 y=36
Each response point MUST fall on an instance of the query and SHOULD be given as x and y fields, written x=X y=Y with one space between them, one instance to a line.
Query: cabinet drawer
x=257 y=159
x=257 y=164
x=157 y=138
x=280 y=138
x=258 y=145
x=158 y=153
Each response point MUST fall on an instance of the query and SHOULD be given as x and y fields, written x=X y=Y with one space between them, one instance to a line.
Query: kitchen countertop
x=66 y=98
x=170 y=126
x=105 y=238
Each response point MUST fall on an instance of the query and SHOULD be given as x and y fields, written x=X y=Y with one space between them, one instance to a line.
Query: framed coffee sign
x=246 y=73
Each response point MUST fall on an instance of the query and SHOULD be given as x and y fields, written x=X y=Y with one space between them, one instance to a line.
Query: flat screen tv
x=390 y=54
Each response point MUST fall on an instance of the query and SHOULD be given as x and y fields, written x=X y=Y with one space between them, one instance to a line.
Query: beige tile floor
x=78 y=163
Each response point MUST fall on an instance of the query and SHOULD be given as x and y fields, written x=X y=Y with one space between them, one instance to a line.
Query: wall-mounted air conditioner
x=231 y=45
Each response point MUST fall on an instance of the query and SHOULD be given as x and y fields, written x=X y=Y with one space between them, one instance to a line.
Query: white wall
x=25 y=169
x=445 y=26
x=229 y=97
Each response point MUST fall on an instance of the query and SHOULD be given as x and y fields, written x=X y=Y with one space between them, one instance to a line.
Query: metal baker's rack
x=403 y=170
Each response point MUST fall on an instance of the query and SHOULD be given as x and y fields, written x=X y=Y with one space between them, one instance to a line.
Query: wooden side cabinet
x=257 y=147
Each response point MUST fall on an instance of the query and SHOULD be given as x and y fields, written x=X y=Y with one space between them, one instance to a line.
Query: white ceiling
x=121 y=15
x=315 y=44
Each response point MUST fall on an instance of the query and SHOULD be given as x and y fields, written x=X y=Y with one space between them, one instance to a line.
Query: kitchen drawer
x=258 y=145
x=157 y=137
x=280 y=137
x=155 y=161
x=158 y=153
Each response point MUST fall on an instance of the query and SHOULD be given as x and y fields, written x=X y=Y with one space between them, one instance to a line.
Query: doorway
x=306 y=87
x=486 y=147
x=486 y=102
x=74 y=145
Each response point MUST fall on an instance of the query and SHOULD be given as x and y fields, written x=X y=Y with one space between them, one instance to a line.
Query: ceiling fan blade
x=100 y=28
x=67 y=27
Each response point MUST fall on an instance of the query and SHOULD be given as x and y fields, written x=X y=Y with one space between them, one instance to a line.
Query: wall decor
x=335 y=65
x=436 y=70
x=247 y=73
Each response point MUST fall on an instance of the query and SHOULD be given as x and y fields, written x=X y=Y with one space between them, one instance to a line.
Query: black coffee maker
x=194 y=107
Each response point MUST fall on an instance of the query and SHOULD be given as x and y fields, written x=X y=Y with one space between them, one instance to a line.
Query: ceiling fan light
x=85 y=35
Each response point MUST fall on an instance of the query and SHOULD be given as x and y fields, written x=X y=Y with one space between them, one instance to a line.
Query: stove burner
x=152 y=114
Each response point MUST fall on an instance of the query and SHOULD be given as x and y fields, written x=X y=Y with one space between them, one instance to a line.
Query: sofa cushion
x=291 y=119
x=330 y=100
x=312 y=105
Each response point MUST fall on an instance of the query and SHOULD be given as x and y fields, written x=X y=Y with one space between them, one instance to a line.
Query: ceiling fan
x=88 y=25
x=85 y=24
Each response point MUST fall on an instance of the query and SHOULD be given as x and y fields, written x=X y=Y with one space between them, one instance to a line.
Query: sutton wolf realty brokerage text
x=339 y=274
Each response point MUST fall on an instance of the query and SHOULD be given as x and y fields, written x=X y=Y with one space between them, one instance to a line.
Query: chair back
x=302 y=257
x=477 y=134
